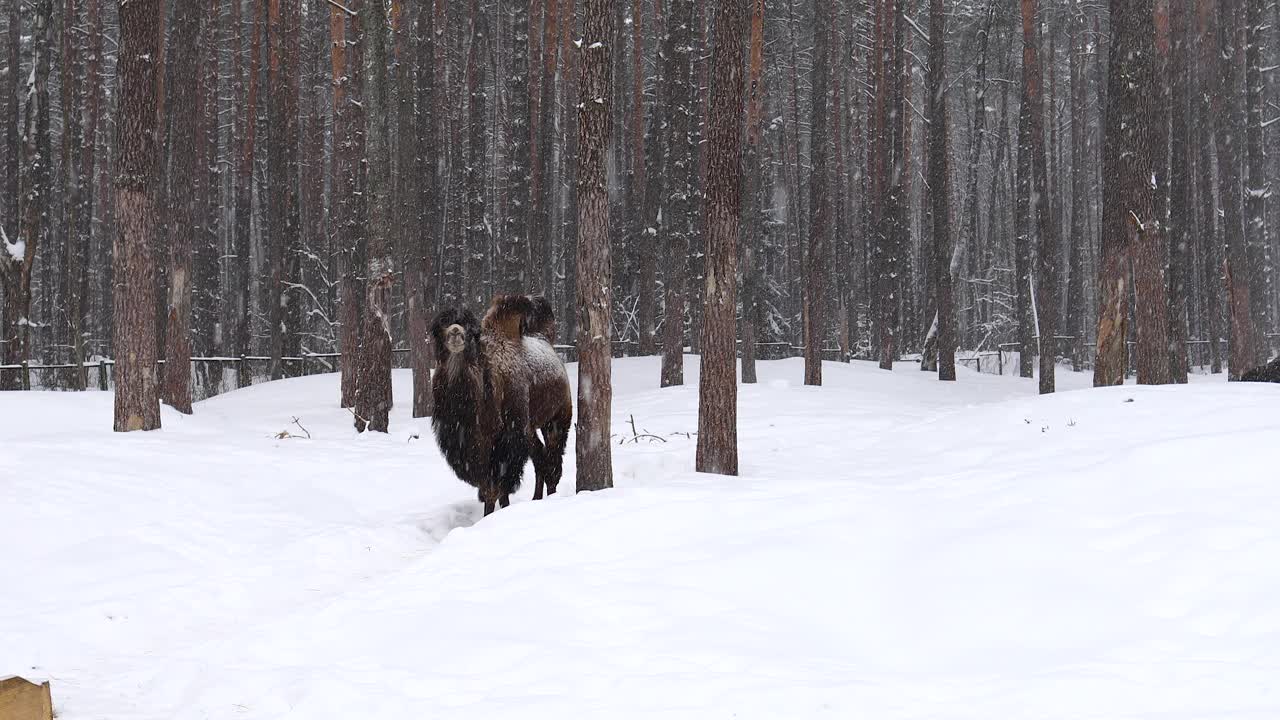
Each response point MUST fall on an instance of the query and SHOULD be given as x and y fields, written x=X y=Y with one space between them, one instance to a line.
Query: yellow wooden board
x=22 y=700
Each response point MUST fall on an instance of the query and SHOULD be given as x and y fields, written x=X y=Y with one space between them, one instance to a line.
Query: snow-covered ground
x=895 y=548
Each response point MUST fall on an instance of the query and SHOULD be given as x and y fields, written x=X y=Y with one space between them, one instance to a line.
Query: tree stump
x=22 y=700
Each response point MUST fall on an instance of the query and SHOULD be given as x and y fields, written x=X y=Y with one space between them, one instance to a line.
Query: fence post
x=26 y=374
x=103 y=383
x=243 y=378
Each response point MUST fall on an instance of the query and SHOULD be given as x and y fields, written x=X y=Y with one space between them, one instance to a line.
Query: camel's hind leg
x=537 y=453
x=549 y=462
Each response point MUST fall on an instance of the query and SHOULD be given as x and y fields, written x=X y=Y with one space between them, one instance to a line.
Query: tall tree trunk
x=247 y=136
x=753 y=193
x=679 y=193
x=718 y=385
x=12 y=264
x=75 y=229
x=282 y=169
x=422 y=270
x=1231 y=159
x=373 y=387
x=1211 y=237
x=1181 y=204
x=352 y=293
x=1023 y=228
x=543 y=188
x=595 y=284
x=1046 y=285
x=137 y=405
x=819 y=207
x=18 y=261
x=1257 y=187
x=11 y=124
x=650 y=179
x=1079 y=202
x=940 y=191
x=477 y=112
x=515 y=248
x=187 y=185
x=1130 y=228
x=880 y=164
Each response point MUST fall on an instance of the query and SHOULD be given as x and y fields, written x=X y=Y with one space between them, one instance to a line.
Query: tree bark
x=1046 y=285
x=17 y=262
x=282 y=169
x=819 y=207
x=373 y=386
x=594 y=277
x=75 y=228
x=753 y=207
x=247 y=136
x=1182 y=202
x=187 y=185
x=422 y=270
x=717 y=450
x=1129 y=225
x=679 y=194
x=515 y=250
x=137 y=405
x=1231 y=159
x=940 y=191
x=477 y=114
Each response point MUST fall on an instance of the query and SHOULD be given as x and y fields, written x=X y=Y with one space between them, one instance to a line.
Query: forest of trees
x=1079 y=181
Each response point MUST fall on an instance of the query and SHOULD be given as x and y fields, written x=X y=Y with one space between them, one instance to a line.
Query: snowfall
x=895 y=548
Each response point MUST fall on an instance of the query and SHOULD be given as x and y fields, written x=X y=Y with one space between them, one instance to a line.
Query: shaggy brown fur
x=498 y=383
x=1264 y=373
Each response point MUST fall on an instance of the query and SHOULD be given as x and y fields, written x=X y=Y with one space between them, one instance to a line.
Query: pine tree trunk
x=352 y=291
x=282 y=169
x=679 y=193
x=1130 y=228
x=1045 y=286
x=594 y=286
x=1257 y=188
x=75 y=229
x=187 y=179
x=373 y=386
x=753 y=205
x=422 y=271
x=477 y=114
x=1210 y=234
x=11 y=268
x=515 y=248
x=1023 y=229
x=247 y=136
x=34 y=184
x=137 y=405
x=1231 y=160
x=1181 y=204
x=718 y=385
x=940 y=191
x=819 y=207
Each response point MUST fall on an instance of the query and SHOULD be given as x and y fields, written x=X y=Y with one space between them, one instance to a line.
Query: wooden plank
x=22 y=700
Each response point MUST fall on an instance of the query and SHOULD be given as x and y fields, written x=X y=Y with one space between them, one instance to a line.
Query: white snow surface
x=896 y=548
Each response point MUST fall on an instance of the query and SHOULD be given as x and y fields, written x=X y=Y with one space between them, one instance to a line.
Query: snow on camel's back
x=497 y=384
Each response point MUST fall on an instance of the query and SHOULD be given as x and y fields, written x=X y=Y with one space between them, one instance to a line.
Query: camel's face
x=456 y=335
x=455 y=338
